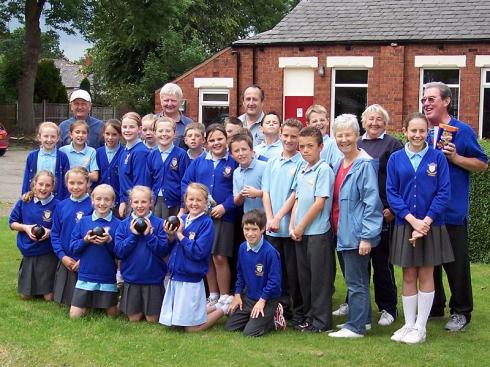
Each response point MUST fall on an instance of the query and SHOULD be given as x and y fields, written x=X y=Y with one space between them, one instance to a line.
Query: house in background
x=71 y=74
x=347 y=54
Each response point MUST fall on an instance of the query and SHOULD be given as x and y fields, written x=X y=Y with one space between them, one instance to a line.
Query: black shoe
x=312 y=329
x=305 y=324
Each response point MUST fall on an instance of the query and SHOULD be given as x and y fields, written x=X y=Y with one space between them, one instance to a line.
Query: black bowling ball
x=174 y=221
x=38 y=231
x=140 y=225
x=98 y=231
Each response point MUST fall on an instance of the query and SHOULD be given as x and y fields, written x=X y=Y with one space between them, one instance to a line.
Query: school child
x=317 y=116
x=96 y=284
x=247 y=177
x=47 y=157
x=67 y=214
x=38 y=265
x=271 y=146
x=184 y=303
x=232 y=125
x=215 y=171
x=147 y=131
x=109 y=155
x=194 y=140
x=78 y=152
x=277 y=181
x=132 y=165
x=142 y=254
x=166 y=166
x=310 y=228
x=418 y=189
x=259 y=279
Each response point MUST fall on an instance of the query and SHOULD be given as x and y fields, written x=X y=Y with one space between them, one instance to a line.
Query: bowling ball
x=140 y=225
x=98 y=231
x=38 y=231
x=174 y=221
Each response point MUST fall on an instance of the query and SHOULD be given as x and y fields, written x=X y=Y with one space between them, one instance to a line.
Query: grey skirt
x=36 y=275
x=64 y=284
x=93 y=299
x=431 y=250
x=224 y=234
x=146 y=299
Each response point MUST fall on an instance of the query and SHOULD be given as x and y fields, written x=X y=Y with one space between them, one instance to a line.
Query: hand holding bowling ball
x=140 y=225
x=98 y=231
x=174 y=222
x=38 y=231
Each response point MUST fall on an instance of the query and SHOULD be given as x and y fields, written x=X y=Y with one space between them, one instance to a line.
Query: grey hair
x=375 y=108
x=171 y=89
x=345 y=121
x=444 y=90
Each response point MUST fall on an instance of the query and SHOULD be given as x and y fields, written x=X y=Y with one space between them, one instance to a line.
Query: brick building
x=346 y=54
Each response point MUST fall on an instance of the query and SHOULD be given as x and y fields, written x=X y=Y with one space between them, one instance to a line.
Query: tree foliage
x=49 y=86
x=85 y=84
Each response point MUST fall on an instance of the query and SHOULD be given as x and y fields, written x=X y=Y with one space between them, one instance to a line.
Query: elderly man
x=464 y=156
x=80 y=106
x=253 y=102
x=170 y=98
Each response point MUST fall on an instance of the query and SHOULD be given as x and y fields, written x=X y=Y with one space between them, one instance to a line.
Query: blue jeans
x=357 y=279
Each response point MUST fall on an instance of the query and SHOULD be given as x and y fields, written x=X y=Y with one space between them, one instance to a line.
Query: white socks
x=425 y=300
x=214 y=296
x=409 y=309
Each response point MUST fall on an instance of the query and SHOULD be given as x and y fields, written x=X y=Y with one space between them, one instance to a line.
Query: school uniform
x=269 y=151
x=315 y=251
x=142 y=266
x=184 y=303
x=95 y=127
x=191 y=158
x=108 y=162
x=258 y=277
x=67 y=214
x=418 y=184
x=217 y=176
x=277 y=181
x=330 y=152
x=84 y=158
x=38 y=264
x=96 y=284
x=250 y=176
x=55 y=161
x=166 y=169
x=133 y=169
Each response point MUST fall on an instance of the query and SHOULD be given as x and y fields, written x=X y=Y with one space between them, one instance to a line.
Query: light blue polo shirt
x=269 y=151
x=84 y=158
x=330 y=152
x=46 y=160
x=277 y=181
x=416 y=157
x=110 y=153
x=251 y=176
x=312 y=182
x=255 y=129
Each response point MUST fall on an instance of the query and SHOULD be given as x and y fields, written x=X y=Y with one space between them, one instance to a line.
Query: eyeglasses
x=430 y=100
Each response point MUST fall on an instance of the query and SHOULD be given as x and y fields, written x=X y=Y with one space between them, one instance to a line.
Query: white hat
x=80 y=93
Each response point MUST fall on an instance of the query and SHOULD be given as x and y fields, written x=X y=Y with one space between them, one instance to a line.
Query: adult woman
x=357 y=220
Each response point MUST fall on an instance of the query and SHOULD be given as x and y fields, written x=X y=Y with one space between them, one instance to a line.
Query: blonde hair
x=198 y=187
x=316 y=108
x=165 y=119
x=46 y=124
x=140 y=188
x=195 y=126
x=77 y=171
x=103 y=187
x=149 y=117
x=134 y=116
x=29 y=195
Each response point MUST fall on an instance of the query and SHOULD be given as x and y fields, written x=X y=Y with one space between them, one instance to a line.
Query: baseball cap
x=80 y=93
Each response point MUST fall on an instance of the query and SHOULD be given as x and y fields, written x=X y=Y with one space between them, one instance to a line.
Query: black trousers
x=240 y=319
x=291 y=297
x=458 y=276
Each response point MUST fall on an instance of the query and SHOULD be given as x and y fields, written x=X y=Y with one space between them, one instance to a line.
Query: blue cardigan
x=133 y=169
x=422 y=193
x=142 y=256
x=62 y=166
x=167 y=176
x=109 y=172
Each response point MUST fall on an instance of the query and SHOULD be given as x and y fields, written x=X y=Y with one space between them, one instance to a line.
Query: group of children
x=107 y=210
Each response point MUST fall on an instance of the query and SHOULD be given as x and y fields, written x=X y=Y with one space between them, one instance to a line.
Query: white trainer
x=414 y=336
x=385 y=319
x=345 y=333
x=343 y=310
x=341 y=326
x=400 y=333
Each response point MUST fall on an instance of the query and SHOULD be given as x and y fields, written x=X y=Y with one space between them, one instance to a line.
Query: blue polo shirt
x=277 y=181
x=46 y=160
x=269 y=151
x=251 y=176
x=94 y=139
x=85 y=158
x=312 y=182
x=415 y=157
x=110 y=153
x=330 y=152
x=255 y=129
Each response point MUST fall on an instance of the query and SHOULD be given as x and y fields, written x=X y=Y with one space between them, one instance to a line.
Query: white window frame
x=483 y=85
x=421 y=83
x=202 y=103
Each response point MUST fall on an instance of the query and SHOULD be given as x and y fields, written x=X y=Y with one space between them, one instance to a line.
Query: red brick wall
x=393 y=80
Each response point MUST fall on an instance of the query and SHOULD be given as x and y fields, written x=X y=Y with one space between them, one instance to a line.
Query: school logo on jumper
x=432 y=169
x=126 y=160
x=227 y=171
x=259 y=270
x=192 y=235
x=78 y=216
x=174 y=164
x=47 y=216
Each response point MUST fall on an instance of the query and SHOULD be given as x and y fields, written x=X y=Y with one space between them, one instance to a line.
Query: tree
x=64 y=15
x=85 y=84
x=48 y=86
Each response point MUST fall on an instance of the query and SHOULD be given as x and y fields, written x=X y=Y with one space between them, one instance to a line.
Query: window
x=485 y=104
x=349 y=91
x=447 y=76
x=214 y=104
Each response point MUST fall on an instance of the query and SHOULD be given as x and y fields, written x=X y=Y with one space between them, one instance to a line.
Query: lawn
x=36 y=333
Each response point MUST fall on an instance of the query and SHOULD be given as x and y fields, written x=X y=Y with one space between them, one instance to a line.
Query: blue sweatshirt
x=109 y=172
x=218 y=180
x=67 y=214
x=259 y=273
x=133 y=169
x=33 y=213
x=167 y=176
x=189 y=258
x=142 y=256
x=62 y=166
x=97 y=262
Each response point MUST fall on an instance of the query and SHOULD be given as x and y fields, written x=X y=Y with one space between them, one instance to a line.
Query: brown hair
x=241 y=137
x=232 y=120
x=215 y=127
x=413 y=116
x=132 y=116
x=255 y=216
x=114 y=123
x=311 y=131
x=195 y=126
x=29 y=195
x=78 y=123
x=292 y=122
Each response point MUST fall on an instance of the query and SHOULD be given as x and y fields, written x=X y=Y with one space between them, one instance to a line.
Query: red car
x=4 y=140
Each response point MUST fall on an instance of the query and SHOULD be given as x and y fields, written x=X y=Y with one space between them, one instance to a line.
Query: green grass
x=36 y=333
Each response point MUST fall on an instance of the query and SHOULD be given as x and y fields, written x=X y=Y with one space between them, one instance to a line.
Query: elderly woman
x=357 y=220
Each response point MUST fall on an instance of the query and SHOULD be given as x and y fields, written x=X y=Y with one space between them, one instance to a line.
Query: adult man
x=80 y=106
x=253 y=102
x=464 y=155
x=170 y=98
